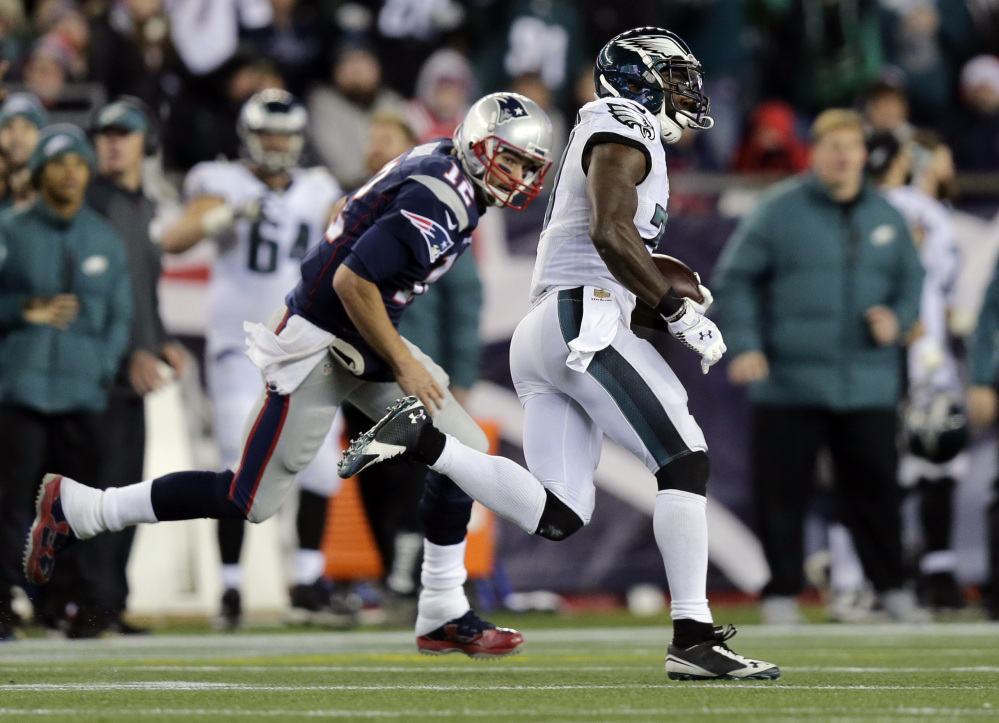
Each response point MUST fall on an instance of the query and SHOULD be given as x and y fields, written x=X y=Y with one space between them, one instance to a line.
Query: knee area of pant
x=558 y=521
x=688 y=473
x=259 y=513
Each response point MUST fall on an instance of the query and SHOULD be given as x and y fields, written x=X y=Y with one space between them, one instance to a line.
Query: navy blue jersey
x=402 y=231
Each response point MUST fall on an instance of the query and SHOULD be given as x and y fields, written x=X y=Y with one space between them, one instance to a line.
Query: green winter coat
x=795 y=281
x=444 y=322
x=983 y=356
x=42 y=254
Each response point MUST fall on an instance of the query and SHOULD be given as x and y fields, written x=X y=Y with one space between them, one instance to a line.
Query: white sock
x=845 y=571
x=938 y=561
x=406 y=547
x=681 y=527
x=500 y=484
x=443 y=577
x=232 y=578
x=309 y=566
x=82 y=506
x=124 y=506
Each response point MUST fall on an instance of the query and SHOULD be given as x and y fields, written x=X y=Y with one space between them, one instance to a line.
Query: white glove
x=697 y=332
x=217 y=219
x=251 y=210
x=221 y=218
x=708 y=298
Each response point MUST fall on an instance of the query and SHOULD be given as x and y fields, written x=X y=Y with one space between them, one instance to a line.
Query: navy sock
x=190 y=495
x=230 y=534
x=311 y=520
x=445 y=510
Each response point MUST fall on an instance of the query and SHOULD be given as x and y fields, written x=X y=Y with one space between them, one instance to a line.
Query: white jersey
x=931 y=365
x=258 y=261
x=567 y=257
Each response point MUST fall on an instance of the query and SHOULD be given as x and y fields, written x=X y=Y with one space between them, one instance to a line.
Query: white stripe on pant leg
x=311 y=409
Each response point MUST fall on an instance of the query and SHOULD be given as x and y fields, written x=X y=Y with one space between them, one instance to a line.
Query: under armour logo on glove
x=698 y=333
x=417 y=416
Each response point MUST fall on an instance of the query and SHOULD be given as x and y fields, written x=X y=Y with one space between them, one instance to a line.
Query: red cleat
x=50 y=532
x=472 y=636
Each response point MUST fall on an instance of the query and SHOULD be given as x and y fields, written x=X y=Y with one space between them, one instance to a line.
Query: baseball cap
x=121 y=115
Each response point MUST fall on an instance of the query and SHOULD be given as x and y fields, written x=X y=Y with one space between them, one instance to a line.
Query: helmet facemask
x=276 y=113
x=500 y=124
x=519 y=193
x=274 y=162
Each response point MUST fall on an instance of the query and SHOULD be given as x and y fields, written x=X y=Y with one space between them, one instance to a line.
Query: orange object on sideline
x=349 y=544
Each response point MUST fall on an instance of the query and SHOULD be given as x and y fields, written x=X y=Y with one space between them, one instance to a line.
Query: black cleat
x=398 y=432
x=713 y=660
x=230 y=616
x=940 y=591
x=315 y=605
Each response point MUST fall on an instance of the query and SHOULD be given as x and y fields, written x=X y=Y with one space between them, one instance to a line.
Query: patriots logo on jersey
x=438 y=240
x=510 y=108
x=633 y=118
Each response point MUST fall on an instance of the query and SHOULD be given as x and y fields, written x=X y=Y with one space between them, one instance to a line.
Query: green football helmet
x=654 y=67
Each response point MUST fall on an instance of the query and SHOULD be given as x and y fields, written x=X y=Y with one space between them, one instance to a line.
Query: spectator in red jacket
x=771 y=142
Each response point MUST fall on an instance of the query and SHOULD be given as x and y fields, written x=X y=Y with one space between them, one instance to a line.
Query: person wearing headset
x=124 y=133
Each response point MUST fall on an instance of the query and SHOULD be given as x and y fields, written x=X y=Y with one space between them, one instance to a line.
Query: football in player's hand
x=683 y=282
x=680 y=277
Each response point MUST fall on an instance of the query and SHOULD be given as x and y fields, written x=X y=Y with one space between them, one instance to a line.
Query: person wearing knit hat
x=21 y=119
x=65 y=319
x=972 y=131
x=23 y=105
x=56 y=141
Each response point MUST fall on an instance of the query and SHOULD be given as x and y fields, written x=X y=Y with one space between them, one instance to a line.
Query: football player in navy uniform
x=262 y=213
x=335 y=340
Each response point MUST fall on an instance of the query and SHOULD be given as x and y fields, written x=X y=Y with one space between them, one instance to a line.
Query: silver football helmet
x=505 y=122
x=275 y=112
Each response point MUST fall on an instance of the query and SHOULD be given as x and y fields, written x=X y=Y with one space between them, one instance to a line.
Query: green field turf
x=937 y=672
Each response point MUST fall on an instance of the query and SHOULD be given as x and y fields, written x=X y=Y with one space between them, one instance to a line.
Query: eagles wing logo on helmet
x=510 y=109
x=632 y=118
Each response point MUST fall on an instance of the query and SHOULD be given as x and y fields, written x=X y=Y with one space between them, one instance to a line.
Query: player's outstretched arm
x=363 y=301
x=614 y=172
x=202 y=216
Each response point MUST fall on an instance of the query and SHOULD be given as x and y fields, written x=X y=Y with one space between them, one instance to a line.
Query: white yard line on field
x=823 y=712
x=183 y=685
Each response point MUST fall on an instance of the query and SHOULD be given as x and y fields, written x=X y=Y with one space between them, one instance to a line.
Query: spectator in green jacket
x=65 y=310
x=817 y=290
x=983 y=372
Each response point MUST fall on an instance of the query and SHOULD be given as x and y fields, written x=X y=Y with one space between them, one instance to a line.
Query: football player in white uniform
x=264 y=212
x=579 y=369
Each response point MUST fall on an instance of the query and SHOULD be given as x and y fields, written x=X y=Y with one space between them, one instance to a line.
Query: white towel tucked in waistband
x=286 y=358
x=601 y=320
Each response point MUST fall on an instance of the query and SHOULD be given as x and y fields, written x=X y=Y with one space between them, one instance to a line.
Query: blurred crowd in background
x=770 y=65
x=378 y=76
